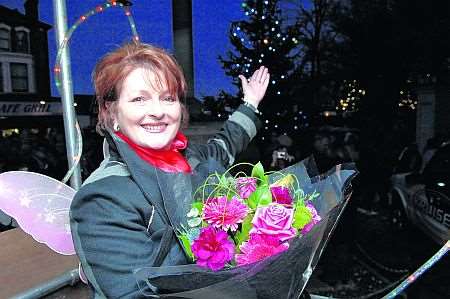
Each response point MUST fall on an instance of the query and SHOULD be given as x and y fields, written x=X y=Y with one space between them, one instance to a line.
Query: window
x=5 y=39
x=19 y=77
x=22 y=41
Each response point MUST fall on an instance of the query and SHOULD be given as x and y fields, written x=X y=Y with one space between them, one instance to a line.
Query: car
x=424 y=196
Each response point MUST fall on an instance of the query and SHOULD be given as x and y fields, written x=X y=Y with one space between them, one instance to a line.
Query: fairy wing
x=40 y=205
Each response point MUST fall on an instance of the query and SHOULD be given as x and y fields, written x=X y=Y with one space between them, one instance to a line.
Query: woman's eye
x=170 y=99
x=138 y=99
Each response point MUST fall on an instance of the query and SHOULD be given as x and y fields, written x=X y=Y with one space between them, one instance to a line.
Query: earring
x=116 y=127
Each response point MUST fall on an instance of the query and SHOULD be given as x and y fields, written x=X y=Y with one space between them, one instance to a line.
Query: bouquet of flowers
x=239 y=220
x=257 y=236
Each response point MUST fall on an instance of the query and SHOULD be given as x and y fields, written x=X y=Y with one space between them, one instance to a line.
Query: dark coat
x=125 y=214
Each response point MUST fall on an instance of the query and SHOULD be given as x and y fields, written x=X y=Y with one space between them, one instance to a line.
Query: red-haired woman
x=125 y=214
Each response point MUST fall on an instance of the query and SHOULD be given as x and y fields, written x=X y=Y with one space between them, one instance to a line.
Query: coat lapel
x=176 y=191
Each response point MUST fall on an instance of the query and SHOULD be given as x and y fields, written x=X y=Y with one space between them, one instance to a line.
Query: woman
x=125 y=214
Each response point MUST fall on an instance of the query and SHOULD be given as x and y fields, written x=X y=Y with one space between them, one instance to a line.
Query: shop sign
x=30 y=108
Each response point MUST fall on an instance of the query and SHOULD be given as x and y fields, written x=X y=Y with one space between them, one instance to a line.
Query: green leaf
x=193 y=213
x=198 y=205
x=242 y=235
x=186 y=246
x=302 y=216
x=193 y=222
x=260 y=197
x=258 y=172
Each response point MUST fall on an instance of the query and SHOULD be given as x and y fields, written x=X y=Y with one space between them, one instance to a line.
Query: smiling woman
x=124 y=215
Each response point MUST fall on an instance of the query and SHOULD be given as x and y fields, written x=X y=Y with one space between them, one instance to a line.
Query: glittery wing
x=40 y=205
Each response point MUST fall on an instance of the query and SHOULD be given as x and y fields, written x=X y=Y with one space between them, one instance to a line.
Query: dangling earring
x=116 y=127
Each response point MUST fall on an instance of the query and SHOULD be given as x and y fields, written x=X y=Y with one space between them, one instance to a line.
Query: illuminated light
x=278 y=92
x=99 y=8
x=262 y=138
x=219 y=115
x=266 y=2
x=270 y=48
x=276 y=22
x=282 y=76
x=238 y=28
x=136 y=38
x=263 y=17
x=267 y=121
x=127 y=13
x=242 y=40
x=265 y=41
x=276 y=126
x=295 y=127
x=83 y=18
x=278 y=35
x=234 y=34
x=246 y=13
x=283 y=38
x=401 y=91
x=57 y=70
x=266 y=128
x=260 y=61
x=273 y=82
x=75 y=104
x=42 y=102
x=295 y=118
x=262 y=55
x=273 y=29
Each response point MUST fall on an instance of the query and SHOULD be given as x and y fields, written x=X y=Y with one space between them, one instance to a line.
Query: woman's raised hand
x=255 y=87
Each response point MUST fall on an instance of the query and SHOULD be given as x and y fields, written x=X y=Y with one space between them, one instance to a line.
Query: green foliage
x=258 y=172
x=260 y=197
x=302 y=216
x=243 y=234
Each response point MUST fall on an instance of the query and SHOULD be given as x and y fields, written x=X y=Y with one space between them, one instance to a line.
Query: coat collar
x=176 y=188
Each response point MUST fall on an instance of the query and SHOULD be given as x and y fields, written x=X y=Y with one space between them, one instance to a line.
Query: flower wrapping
x=280 y=250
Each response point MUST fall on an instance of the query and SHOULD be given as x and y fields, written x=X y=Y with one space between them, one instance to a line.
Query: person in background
x=125 y=214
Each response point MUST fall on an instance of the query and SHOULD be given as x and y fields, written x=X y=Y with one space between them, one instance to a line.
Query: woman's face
x=150 y=118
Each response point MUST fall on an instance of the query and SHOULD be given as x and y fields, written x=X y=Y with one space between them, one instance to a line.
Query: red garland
x=170 y=160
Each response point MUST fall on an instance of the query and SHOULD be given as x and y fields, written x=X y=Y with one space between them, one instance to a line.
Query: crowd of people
x=43 y=150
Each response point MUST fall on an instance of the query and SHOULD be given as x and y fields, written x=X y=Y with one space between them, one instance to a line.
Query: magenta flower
x=212 y=249
x=259 y=247
x=245 y=187
x=224 y=214
x=315 y=219
x=281 y=195
x=274 y=220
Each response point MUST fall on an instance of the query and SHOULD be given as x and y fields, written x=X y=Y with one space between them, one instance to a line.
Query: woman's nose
x=154 y=108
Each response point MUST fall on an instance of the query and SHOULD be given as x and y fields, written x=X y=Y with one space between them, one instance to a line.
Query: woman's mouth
x=154 y=128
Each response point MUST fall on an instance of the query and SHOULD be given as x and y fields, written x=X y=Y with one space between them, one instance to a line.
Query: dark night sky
x=103 y=32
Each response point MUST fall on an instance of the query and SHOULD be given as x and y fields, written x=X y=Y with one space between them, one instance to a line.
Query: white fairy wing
x=40 y=205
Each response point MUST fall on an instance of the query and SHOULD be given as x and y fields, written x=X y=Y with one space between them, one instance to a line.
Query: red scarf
x=167 y=160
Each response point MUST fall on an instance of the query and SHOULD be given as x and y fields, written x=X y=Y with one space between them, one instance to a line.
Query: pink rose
x=281 y=195
x=274 y=220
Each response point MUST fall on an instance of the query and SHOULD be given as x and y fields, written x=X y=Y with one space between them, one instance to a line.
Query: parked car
x=424 y=197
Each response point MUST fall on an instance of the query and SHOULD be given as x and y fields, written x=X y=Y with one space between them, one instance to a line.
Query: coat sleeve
x=233 y=138
x=111 y=238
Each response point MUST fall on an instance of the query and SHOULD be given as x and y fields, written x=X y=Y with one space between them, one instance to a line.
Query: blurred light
x=42 y=102
x=440 y=184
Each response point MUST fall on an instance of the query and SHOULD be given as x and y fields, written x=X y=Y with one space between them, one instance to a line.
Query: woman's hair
x=111 y=71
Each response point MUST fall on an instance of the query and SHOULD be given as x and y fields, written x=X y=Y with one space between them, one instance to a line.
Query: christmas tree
x=264 y=39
